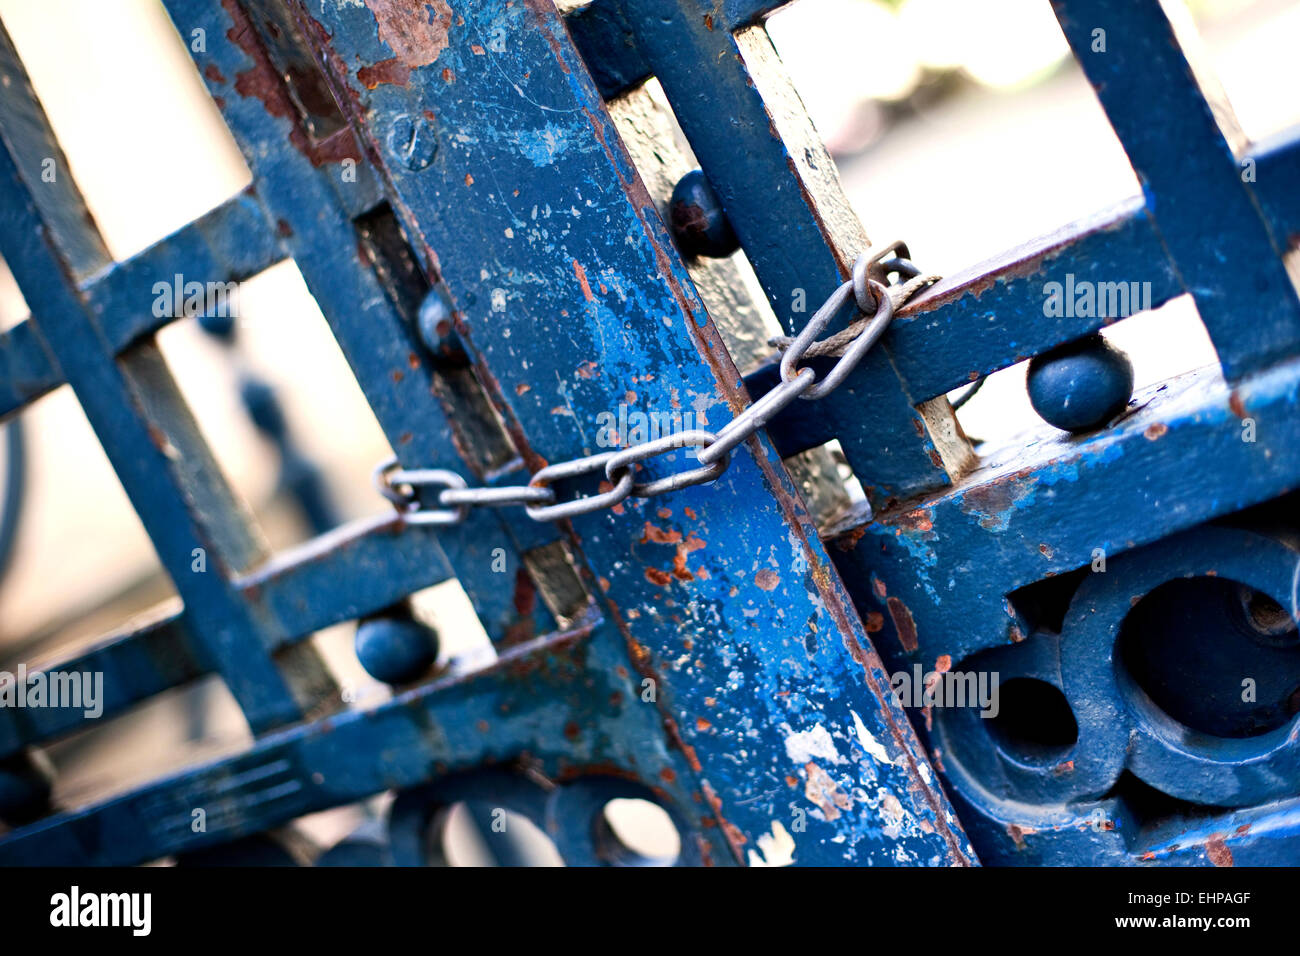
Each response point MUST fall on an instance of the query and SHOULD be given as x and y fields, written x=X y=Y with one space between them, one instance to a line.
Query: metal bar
x=490 y=716
x=234 y=241
x=782 y=196
x=303 y=188
x=1179 y=136
x=141 y=461
x=364 y=567
x=1042 y=509
x=44 y=168
x=26 y=369
x=1275 y=174
x=598 y=303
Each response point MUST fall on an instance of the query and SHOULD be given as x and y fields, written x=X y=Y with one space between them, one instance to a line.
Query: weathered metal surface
x=579 y=313
x=1179 y=133
x=705 y=651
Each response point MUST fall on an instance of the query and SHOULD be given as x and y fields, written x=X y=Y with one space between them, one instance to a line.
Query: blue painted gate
x=457 y=189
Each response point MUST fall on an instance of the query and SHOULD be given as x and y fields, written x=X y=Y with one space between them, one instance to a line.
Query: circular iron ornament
x=417 y=816
x=1117 y=719
x=575 y=821
x=1119 y=727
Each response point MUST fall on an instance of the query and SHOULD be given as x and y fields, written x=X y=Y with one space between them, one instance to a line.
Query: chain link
x=870 y=292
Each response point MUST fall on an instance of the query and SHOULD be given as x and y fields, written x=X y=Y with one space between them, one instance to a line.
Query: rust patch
x=821 y=790
x=1156 y=431
x=1218 y=852
x=994 y=500
x=767 y=579
x=581 y=273
x=680 y=571
x=849 y=540
x=875 y=621
x=264 y=82
x=416 y=37
x=903 y=623
x=1235 y=403
x=919 y=520
x=392 y=72
x=657 y=577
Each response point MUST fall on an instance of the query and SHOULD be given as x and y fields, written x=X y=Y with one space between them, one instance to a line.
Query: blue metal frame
x=772 y=718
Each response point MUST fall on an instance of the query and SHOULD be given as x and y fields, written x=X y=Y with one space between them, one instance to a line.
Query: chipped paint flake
x=774 y=849
x=870 y=744
x=805 y=745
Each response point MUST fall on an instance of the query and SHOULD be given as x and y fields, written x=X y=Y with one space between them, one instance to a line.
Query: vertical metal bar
x=763 y=673
x=308 y=184
x=782 y=195
x=1182 y=142
x=140 y=454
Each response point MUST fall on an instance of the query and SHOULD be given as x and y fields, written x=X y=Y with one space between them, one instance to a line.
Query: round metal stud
x=698 y=220
x=1081 y=385
x=395 y=648
x=220 y=324
x=435 y=325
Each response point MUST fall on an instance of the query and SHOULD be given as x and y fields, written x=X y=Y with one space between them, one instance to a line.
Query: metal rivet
x=412 y=141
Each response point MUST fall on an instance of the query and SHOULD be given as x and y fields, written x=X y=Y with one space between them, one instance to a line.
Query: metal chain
x=873 y=298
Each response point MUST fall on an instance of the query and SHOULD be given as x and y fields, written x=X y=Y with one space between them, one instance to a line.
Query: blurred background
x=962 y=126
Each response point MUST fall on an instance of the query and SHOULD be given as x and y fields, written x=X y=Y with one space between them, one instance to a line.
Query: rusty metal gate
x=482 y=201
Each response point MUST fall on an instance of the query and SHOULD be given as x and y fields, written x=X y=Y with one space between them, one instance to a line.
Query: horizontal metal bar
x=1041 y=508
x=231 y=242
x=992 y=315
x=153 y=657
x=362 y=567
x=433 y=730
x=355 y=570
x=26 y=370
